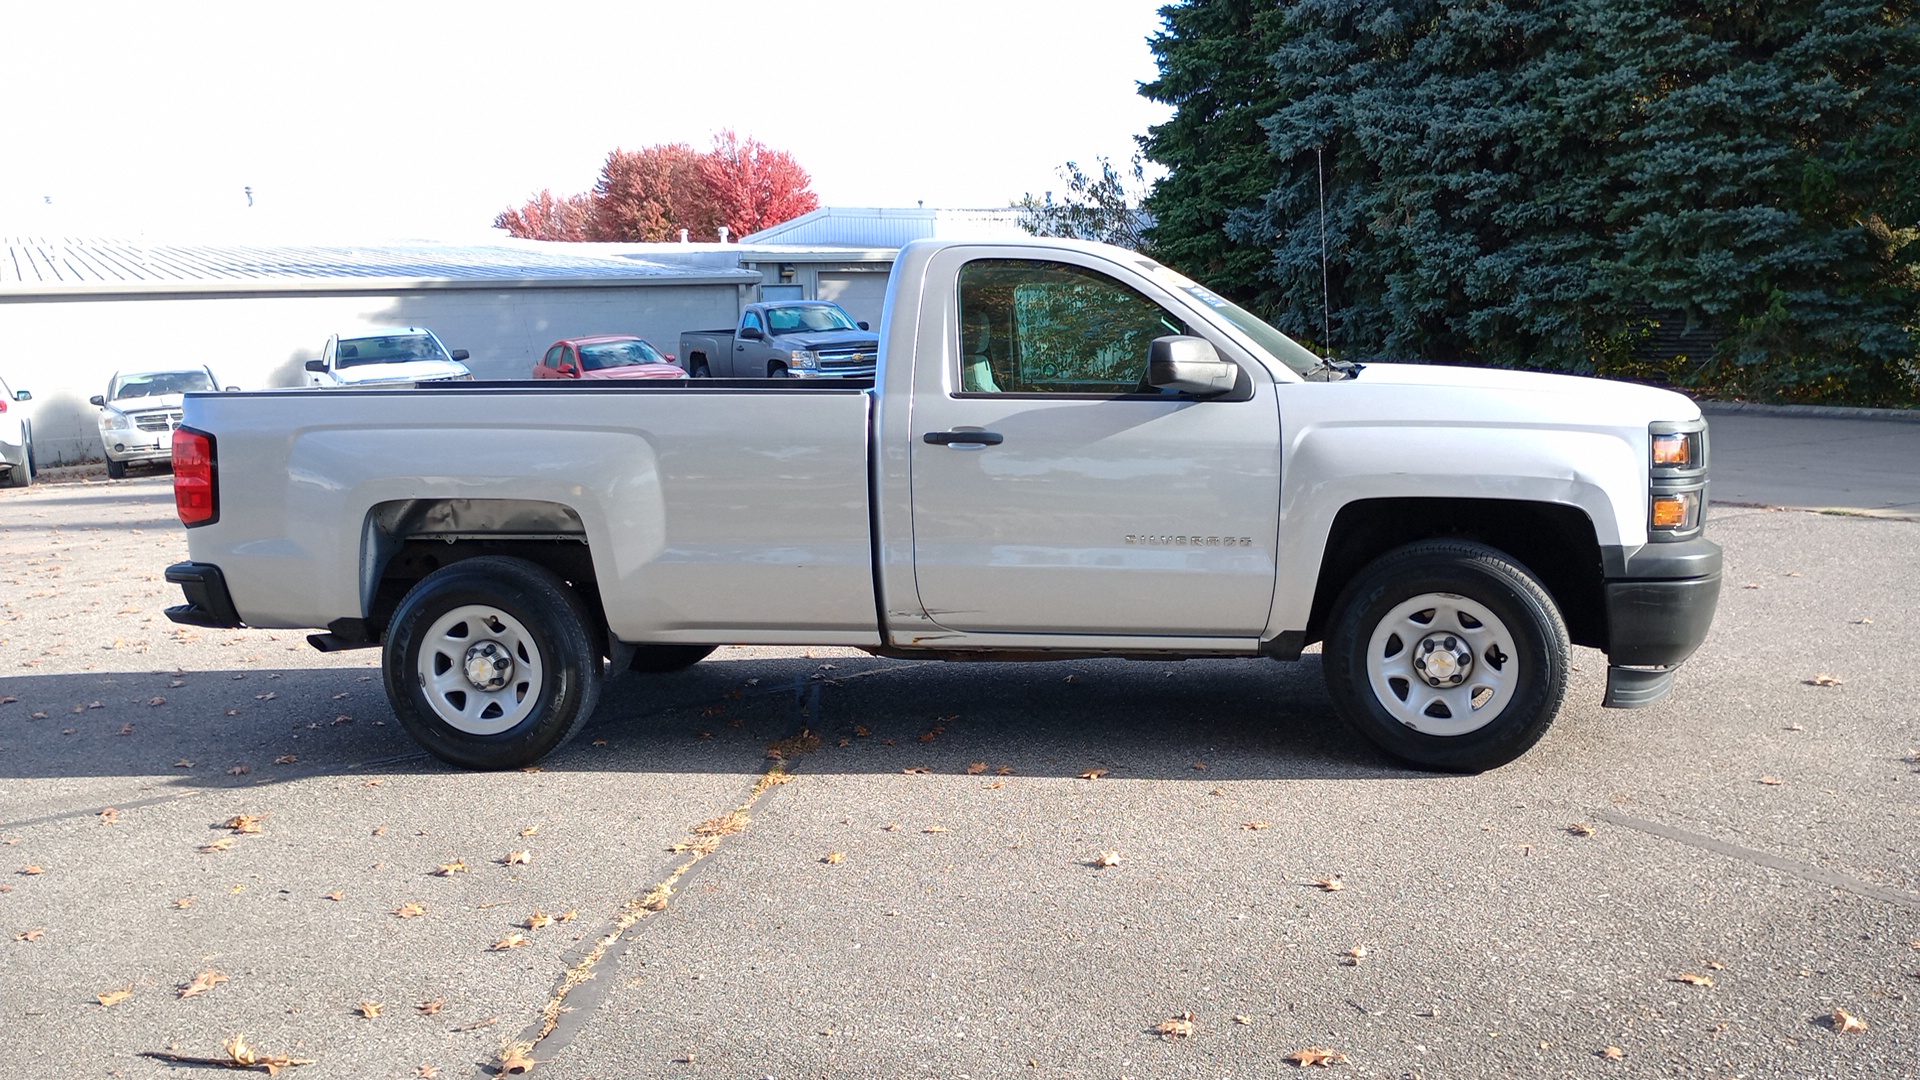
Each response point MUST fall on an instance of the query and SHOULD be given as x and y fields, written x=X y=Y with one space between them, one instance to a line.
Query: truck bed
x=707 y=507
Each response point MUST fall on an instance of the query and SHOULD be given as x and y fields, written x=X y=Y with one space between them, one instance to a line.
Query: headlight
x=804 y=359
x=113 y=421
x=1676 y=450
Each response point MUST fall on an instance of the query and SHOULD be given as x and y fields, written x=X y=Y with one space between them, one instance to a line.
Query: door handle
x=964 y=438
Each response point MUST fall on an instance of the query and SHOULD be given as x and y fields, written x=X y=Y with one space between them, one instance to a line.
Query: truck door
x=1054 y=491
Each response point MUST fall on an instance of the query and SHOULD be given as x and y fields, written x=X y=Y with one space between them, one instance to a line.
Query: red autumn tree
x=548 y=217
x=755 y=187
x=652 y=194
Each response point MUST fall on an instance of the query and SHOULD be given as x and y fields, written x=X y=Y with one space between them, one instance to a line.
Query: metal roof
x=889 y=227
x=33 y=265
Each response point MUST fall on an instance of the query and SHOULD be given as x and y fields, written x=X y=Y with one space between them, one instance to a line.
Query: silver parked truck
x=1067 y=451
x=797 y=339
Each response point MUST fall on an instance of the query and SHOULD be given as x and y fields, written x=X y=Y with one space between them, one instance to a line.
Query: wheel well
x=1556 y=543
x=410 y=539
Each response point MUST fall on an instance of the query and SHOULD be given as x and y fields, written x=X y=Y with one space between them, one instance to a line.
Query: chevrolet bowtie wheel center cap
x=1443 y=659
x=488 y=666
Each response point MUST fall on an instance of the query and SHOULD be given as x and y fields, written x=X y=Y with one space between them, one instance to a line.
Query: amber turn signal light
x=1673 y=511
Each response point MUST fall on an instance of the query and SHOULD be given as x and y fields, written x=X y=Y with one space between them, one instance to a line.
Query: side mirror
x=565 y=369
x=97 y=399
x=23 y=395
x=233 y=389
x=460 y=354
x=863 y=325
x=751 y=333
x=1189 y=365
x=317 y=365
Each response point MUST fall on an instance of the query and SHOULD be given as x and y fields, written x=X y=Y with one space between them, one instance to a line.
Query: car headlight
x=113 y=421
x=804 y=359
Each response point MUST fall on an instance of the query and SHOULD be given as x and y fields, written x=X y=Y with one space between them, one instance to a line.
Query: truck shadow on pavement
x=1197 y=720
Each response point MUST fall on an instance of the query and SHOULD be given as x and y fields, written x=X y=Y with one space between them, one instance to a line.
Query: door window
x=1032 y=326
x=751 y=319
x=553 y=357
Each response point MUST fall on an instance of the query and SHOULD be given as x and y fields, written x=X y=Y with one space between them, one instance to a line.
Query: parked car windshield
x=610 y=354
x=800 y=319
x=398 y=348
x=156 y=383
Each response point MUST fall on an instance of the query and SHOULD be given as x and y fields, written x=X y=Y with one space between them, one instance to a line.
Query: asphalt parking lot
x=1705 y=888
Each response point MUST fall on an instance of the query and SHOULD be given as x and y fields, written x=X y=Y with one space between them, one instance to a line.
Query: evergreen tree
x=1215 y=74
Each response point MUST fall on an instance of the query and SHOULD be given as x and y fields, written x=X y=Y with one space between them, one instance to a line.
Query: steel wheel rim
x=1400 y=682
x=454 y=696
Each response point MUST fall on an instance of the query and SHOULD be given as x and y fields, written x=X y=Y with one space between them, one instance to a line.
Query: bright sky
x=355 y=120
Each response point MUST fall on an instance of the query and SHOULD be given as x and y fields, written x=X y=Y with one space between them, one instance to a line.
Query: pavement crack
x=1806 y=872
x=516 y=1055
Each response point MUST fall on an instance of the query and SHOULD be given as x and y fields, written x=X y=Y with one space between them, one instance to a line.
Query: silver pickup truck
x=800 y=339
x=1069 y=451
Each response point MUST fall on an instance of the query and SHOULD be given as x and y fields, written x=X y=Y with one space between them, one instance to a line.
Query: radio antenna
x=1326 y=308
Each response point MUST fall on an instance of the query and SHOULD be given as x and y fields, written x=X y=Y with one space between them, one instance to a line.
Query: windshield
x=611 y=354
x=156 y=383
x=395 y=349
x=800 y=319
x=1274 y=343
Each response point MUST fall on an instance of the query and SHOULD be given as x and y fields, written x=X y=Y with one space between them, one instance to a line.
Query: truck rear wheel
x=1448 y=655
x=489 y=663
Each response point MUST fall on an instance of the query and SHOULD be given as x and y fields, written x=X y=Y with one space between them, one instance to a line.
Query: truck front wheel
x=1448 y=655
x=489 y=664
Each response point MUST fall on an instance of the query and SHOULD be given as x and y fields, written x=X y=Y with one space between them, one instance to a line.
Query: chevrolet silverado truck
x=1068 y=451
x=799 y=339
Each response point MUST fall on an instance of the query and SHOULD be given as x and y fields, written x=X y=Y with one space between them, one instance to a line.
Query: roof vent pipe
x=723 y=234
x=683 y=236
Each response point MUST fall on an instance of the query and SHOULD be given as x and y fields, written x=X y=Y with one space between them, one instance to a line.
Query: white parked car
x=16 y=438
x=388 y=356
x=139 y=412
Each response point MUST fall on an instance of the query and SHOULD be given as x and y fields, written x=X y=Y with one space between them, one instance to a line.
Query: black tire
x=657 y=658
x=777 y=371
x=116 y=470
x=1468 y=616
x=700 y=371
x=20 y=475
x=532 y=621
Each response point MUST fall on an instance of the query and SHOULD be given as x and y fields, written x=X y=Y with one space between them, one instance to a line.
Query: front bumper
x=1657 y=616
x=208 y=602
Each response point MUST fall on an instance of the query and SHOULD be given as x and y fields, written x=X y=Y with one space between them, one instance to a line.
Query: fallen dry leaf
x=834 y=858
x=108 y=816
x=1317 y=1055
x=1105 y=859
x=1093 y=774
x=239 y=770
x=335 y=896
x=915 y=770
x=1004 y=770
x=1175 y=1027
x=1579 y=829
x=183 y=763
x=656 y=898
x=511 y=941
x=568 y=915
x=152 y=701
x=34 y=934
x=996 y=785
x=458 y=866
x=515 y=1058
x=1846 y=1023
x=1692 y=979
x=516 y=858
x=1327 y=884
x=286 y=759
x=31 y=870
x=202 y=983
x=244 y=1056
x=1353 y=956
x=1771 y=781
x=111 y=998
x=427 y=1071
x=221 y=844
x=935 y=829
x=430 y=1008
x=410 y=910
x=126 y=729
x=1822 y=679
x=244 y=824
x=184 y=902
x=1611 y=1053
x=1256 y=826
x=976 y=768
x=368 y=1009
x=1243 y=1020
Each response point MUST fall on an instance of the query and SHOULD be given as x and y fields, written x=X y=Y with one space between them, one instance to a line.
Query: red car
x=606 y=356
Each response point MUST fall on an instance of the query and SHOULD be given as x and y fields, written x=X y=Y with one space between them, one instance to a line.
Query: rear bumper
x=1656 y=621
x=208 y=603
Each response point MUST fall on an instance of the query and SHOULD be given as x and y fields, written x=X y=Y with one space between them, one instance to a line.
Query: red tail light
x=196 y=495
